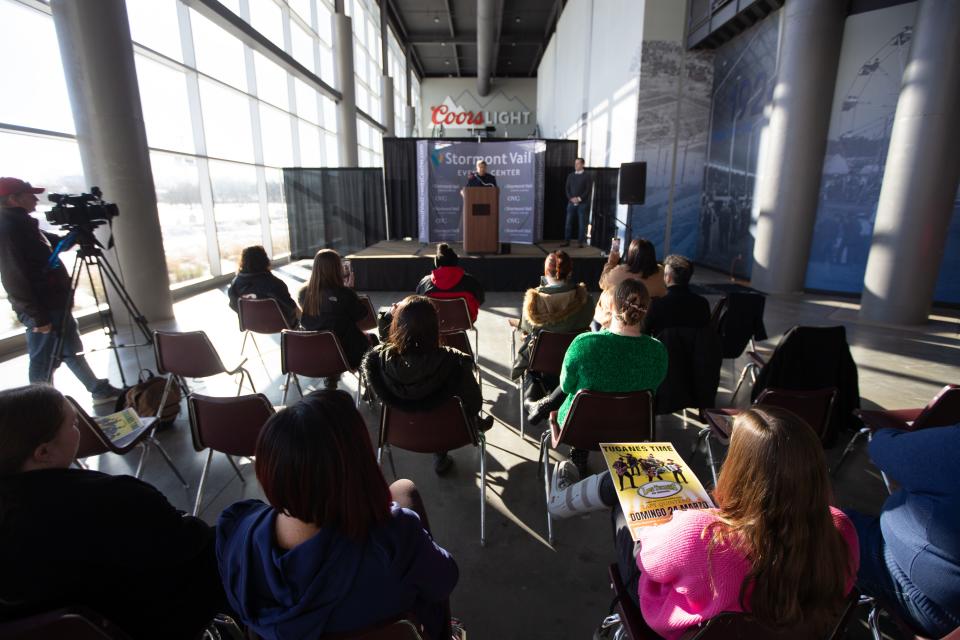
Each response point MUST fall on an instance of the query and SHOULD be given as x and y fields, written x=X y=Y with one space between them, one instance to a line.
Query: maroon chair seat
x=191 y=355
x=227 y=425
x=942 y=411
x=595 y=417
x=369 y=321
x=314 y=354
x=259 y=315
x=814 y=407
x=547 y=351
x=435 y=431
x=94 y=442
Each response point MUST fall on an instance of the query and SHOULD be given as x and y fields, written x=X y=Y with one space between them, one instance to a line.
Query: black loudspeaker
x=633 y=182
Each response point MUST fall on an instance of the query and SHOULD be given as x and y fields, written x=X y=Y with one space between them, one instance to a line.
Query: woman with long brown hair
x=773 y=547
x=640 y=264
x=412 y=371
x=329 y=304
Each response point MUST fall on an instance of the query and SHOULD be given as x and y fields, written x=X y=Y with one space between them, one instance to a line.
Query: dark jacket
x=340 y=310
x=739 y=318
x=113 y=544
x=420 y=382
x=488 y=180
x=564 y=308
x=679 y=308
x=33 y=287
x=694 y=357
x=453 y=282
x=330 y=583
x=810 y=358
x=263 y=286
x=579 y=186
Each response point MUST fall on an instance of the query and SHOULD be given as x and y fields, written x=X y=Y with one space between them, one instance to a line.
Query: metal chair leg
x=543 y=448
x=144 y=450
x=233 y=463
x=743 y=376
x=546 y=484
x=483 y=490
x=203 y=479
x=850 y=445
x=263 y=362
x=243 y=346
x=393 y=466
x=710 y=460
x=523 y=411
x=163 y=452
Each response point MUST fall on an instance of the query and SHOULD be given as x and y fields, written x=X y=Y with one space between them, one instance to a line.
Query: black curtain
x=400 y=173
x=341 y=209
x=604 y=206
x=558 y=165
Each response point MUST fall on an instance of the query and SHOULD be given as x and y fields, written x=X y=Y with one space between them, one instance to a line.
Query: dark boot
x=540 y=409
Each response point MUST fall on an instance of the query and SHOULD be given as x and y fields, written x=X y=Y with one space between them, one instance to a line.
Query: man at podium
x=481 y=178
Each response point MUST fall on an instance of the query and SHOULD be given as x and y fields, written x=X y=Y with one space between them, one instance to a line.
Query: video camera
x=86 y=210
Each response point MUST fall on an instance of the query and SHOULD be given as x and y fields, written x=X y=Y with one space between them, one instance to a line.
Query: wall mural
x=876 y=47
x=666 y=129
x=744 y=73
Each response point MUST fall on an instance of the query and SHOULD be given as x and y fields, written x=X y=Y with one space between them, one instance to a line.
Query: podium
x=481 y=219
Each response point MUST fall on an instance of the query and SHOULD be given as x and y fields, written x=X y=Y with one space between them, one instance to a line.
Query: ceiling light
x=513 y=44
x=446 y=62
x=517 y=19
x=436 y=19
x=443 y=44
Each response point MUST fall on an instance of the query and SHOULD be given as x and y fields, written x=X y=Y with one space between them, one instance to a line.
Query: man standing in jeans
x=579 y=186
x=39 y=290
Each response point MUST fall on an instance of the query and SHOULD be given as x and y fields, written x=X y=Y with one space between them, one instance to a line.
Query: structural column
x=98 y=63
x=347 y=107
x=386 y=105
x=794 y=143
x=920 y=179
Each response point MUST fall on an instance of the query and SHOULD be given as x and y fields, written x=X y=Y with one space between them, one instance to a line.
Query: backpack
x=144 y=398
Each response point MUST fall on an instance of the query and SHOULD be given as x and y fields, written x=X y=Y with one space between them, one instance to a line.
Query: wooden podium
x=481 y=219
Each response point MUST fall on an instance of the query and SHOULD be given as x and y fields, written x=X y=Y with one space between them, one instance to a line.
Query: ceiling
x=444 y=35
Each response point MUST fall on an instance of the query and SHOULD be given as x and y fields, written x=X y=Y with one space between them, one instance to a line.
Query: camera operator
x=40 y=291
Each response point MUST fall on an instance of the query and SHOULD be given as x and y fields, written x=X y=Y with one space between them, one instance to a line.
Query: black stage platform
x=398 y=265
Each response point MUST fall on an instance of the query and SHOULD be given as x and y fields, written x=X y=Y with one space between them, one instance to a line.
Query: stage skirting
x=398 y=265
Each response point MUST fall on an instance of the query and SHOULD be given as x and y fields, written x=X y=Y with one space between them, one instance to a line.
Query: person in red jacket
x=448 y=280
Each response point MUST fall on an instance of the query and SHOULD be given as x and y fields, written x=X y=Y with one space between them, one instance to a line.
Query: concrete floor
x=518 y=586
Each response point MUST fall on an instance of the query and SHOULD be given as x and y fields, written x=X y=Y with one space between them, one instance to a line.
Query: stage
x=398 y=265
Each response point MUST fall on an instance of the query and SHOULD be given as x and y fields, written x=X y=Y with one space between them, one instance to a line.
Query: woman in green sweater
x=618 y=359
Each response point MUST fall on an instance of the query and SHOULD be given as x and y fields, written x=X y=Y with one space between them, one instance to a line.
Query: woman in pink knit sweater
x=773 y=547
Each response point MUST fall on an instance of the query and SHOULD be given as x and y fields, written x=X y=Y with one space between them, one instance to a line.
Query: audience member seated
x=412 y=371
x=330 y=304
x=616 y=359
x=773 y=546
x=910 y=554
x=680 y=307
x=112 y=544
x=556 y=305
x=330 y=553
x=254 y=280
x=640 y=264
x=449 y=280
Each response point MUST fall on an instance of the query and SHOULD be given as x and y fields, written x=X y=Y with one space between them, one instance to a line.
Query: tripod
x=90 y=260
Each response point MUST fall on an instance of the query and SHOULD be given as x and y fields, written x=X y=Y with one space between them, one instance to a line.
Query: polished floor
x=519 y=586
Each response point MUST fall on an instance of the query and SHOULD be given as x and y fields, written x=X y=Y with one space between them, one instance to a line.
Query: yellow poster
x=652 y=481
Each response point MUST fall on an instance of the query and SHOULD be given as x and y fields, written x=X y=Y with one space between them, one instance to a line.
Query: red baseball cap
x=11 y=186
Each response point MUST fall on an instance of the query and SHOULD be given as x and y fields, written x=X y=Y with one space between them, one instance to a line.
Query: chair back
x=738 y=317
x=458 y=340
x=442 y=429
x=189 y=354
x=402 y=629
x=75 y=623
x=94 y=442
x=548 y=350
x=452 y=314
x=369 y=321
x=228 y=425
x=598 y=416
x=942 y=411
x=815 y=407
x=261 y=315
x=739 y=626
x=315 y=354
x=694 y=359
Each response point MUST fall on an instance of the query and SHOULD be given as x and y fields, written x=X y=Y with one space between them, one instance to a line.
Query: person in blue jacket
x=910 y=554
x=336 y=550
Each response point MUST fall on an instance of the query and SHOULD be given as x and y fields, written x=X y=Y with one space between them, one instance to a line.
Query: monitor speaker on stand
x=633 y=190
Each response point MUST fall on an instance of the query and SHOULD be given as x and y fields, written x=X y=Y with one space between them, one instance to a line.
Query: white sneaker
x=564 y=474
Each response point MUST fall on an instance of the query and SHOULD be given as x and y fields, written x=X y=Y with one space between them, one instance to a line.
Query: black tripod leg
x=127 y=301
x=107 y=322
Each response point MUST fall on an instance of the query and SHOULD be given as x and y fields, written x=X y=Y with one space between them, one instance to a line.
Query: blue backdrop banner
x=443 y=168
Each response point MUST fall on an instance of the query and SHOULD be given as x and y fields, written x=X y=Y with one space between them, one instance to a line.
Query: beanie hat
x=446 y=257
